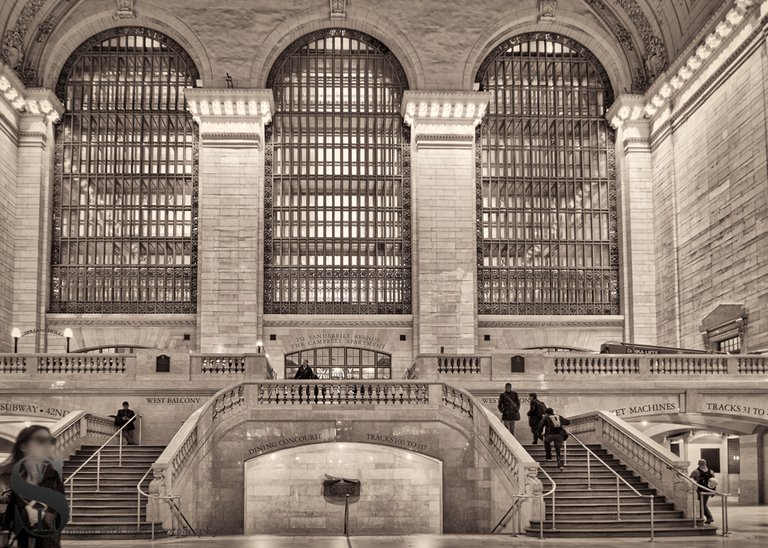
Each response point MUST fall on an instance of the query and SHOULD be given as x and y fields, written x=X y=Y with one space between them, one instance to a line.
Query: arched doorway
x=341 y=363
x=400 y=491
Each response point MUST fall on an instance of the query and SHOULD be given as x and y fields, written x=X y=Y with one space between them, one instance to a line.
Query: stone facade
x=683 y=250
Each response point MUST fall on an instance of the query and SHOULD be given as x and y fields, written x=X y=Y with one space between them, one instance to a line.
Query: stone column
x=29 y=233
x=231 y=124
x=635 y=203
x=444 y=217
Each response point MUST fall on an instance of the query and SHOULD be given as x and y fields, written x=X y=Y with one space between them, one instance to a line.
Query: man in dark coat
x=551 y=429
x=702 y=475
x=305 y=372
x=537 y=410
x=123 y=416
x=509 y=407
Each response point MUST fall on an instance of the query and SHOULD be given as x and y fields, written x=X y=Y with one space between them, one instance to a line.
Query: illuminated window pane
x=344 y=364
x=547 y=224
x=125 y=185
x=337 y=193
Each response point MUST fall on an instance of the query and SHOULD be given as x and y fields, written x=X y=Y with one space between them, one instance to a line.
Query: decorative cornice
x=34 y=101
x=179 y=320
x=583 y=322
x=445 y=107
x=669 y=85
x=227 y=105
x=325 y=323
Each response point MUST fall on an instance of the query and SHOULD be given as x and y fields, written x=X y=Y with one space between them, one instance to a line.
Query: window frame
x=531 y=273
x=180 y=277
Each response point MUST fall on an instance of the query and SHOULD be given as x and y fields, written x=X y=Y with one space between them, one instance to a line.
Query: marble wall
x=401 y=491
x=212 y=489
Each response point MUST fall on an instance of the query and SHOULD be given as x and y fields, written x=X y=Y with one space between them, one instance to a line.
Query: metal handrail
x=542 y=507
x=96 y=454
x=151 y=496
x=710 y=492
x=618 y=491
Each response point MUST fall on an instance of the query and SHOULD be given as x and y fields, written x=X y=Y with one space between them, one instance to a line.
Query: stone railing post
x=444 y=216
x=231 y=124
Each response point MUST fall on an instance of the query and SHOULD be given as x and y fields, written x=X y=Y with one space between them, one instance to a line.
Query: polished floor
x=749 y=527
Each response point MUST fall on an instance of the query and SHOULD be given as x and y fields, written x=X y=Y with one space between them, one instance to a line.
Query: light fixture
x=67 y=335
x=259 y=346
x=16 y=334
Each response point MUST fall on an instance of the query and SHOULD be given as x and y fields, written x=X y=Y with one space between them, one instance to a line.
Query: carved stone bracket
x=230 y=116
x=338 y=9
x=34 y=101
x=547 y=9
x=125 y=9
x=444 y=118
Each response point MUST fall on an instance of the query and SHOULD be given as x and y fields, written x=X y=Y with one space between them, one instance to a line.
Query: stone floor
x=749 y=528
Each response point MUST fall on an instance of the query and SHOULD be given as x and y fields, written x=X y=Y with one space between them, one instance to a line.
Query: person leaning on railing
x=705 y=478
x=123 y=417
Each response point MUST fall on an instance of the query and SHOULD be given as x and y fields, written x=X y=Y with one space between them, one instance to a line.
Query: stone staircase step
x=613 y=532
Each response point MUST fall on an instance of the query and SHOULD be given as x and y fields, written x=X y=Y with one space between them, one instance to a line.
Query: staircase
x=592 y=513
x=109 y=513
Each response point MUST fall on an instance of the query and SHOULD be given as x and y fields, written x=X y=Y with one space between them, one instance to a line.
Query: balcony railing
x=171 y=469
x=577 y=366
x=67 y=366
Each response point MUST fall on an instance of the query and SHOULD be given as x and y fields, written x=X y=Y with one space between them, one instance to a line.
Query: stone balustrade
x=78 y=428
x=653 y=462
x=578 y=366
x=230 y=366
x=67 y=366
x=390 y=400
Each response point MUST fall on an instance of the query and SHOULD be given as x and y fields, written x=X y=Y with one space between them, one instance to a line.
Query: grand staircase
x=110 y=512
x=582 y=512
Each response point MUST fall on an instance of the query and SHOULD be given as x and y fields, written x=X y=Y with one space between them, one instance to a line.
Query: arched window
x=337 y=191
x=125 y=184
x=340 y=362
x=547 y=223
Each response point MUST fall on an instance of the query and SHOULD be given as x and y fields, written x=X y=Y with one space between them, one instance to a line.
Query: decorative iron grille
x=546 y=182
x=125 y=178
x=337 y=191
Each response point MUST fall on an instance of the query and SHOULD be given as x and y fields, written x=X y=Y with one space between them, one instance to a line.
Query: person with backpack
x=552 y=430
x=537 y=410
x=705 y=477
x=509 y=407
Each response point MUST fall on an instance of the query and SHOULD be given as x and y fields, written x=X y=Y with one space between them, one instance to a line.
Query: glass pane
x=337 y=211
x=125 y=185
x=346 y=363
x=548 y=209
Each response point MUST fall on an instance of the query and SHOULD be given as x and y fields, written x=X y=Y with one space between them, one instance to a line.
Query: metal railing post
x=693 y=508
x=618 y=500
x=543 y=511
x=346 y=515
x=554 y=507
x=98 y=471
x=138 y=512
x=653 y=520
x=589 y=474
x=139 y=421
x=71 y=498
x=120 y=451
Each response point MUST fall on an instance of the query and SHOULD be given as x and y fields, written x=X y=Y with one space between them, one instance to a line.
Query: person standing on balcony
x=305 y=372
x=537 y=410
x=509 y=407
x=703 y=475
x=552 y=430
x=123 y=416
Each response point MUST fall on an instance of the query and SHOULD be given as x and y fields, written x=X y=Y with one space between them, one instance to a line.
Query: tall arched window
x=125 y=184
x=337 y=191
x=547 y=225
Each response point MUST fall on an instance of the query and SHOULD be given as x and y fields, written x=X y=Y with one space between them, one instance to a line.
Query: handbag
x=712 y=484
